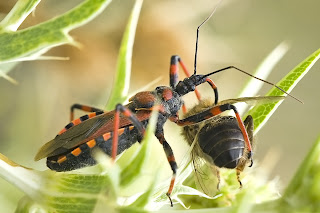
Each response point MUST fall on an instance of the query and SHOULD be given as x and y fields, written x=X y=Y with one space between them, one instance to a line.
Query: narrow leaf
x=262 y=113
x=122 y=79
x=42 y=37
x=135 y=167
x=18 y=14
x=264 y=69
x=304 y=189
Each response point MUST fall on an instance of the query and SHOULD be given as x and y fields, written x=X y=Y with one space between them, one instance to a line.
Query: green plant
x=115 y=188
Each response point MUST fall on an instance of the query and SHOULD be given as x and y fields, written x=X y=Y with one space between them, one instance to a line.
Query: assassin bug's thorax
x=166 y=98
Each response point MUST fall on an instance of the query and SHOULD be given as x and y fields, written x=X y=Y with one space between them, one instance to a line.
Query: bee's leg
x=136 y=123
x=216 y=110
x=218 y=178
x=248 y=123
x=170 y=157
x=238 y=177
x=83 y=108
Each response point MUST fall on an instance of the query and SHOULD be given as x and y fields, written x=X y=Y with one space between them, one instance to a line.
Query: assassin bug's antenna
x=236 y=68
x=229 y=67
x=197 y=39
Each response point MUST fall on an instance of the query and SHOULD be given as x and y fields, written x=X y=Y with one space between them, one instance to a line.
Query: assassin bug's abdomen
x=222 y=141
x=82 y=156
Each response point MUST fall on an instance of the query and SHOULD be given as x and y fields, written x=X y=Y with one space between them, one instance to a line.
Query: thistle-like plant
x=126 y=186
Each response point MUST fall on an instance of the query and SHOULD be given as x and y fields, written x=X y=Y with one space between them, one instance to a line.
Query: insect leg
x=175 y=59
x=171 y=159
x=79 y=120
x=218 y=178
x=83 y=108
x=215 y=89
x=216 y=110
x=248 y=122
x=238 y=177
x=174 y=73
x=136 y=123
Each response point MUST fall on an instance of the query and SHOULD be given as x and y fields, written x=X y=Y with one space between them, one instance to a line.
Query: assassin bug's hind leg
x=83 y=108
x=135 y=121
x=74 y=122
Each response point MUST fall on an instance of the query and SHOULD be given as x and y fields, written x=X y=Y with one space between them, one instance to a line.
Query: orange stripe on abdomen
x=62 y=159
x=76 y=151
x=91 y=143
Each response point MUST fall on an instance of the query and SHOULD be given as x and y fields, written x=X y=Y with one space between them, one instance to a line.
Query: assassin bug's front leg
x=136 y=123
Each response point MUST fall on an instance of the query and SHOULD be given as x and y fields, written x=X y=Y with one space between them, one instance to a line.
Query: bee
x=219 y=140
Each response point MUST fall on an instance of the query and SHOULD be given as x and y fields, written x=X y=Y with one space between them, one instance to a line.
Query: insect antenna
x=197 y=39
x=260 y=79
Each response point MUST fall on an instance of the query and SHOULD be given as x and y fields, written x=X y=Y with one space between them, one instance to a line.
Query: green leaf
x=135 y=167
x=36 y=40
x=122 y=79
x=18 y=14
x=60 y=192
x=264 y=69
x=303 y=191
x=263 y=112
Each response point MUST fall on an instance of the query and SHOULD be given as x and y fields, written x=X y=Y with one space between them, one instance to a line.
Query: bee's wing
x=253 y=100
x=83 y=132
x=205 y=173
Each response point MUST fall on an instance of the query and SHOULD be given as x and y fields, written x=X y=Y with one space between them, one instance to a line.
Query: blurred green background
x=241 y=33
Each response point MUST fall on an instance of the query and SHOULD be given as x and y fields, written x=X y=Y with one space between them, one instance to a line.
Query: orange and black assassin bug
x=115 y=131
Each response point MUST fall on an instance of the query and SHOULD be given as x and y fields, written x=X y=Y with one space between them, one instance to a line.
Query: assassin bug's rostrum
x=115 y=131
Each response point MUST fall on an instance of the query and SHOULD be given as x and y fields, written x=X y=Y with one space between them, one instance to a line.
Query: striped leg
x=171 y=160
x=136 y=123
x=215 y=89
x=174 y=70
x=95 y=112
x=175 y=59
x=216 y=110
x=83 y=108
x=79 y=120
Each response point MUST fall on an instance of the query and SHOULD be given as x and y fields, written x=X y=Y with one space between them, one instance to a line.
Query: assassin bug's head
x=189 y=84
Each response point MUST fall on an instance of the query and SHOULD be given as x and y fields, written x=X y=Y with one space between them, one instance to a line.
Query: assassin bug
x=219 y=140
x=115 y=131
